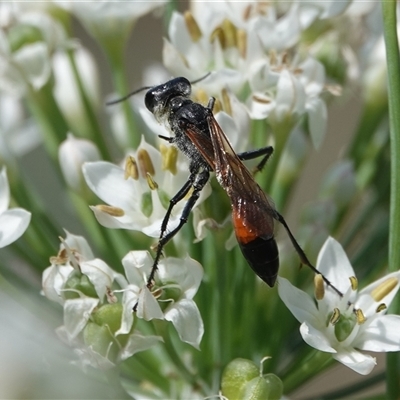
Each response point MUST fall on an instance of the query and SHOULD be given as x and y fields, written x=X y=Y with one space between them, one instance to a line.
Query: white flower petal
x=361 y=363
x=72 y=153
x=368 y=304
x=148 y=307
x=33 y=59
x=137 y=265
x=187 y=273
x=77 y=313
x=107 y=181
x=334 y=264
x=315 y=338
x=80 y=245
x=129 y=300
x=137 y=343
x=298 y=302
x=187 y=321
x=13 y=223
x=99 y=274
x=4 y=191
x=53 y=281
x=382 y=334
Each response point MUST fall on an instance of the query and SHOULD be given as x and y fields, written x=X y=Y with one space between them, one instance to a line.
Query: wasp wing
x=252 y=211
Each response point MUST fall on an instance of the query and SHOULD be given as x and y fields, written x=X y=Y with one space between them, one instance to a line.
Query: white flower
x=25 y=52
x=139 y=196
x=75 y=255
x=341 y=325
x=88 y=289
x=250 y=54
x=177 y=281
x=18 y=135
x=110 y=20
x=72 y=153
x=14 y=221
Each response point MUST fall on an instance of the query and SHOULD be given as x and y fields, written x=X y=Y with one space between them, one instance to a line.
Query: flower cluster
x=273 y=68
x=98 y=302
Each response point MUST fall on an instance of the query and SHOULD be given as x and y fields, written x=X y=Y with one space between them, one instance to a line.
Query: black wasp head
x=157 y=98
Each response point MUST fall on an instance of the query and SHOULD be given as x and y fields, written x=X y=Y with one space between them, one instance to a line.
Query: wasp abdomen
x=263 y=257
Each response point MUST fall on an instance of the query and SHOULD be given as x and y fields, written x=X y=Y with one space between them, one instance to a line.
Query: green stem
x=306 y=369
x=45 y=109
x=94 y=131
x=393 y=67
x=122 y=88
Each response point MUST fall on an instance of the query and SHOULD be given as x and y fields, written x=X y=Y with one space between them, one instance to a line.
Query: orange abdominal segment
x=244 y=232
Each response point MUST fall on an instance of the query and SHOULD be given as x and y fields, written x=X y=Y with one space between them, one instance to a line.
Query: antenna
x=110 y=103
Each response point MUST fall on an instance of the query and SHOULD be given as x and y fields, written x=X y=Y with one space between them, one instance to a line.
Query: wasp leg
x=197 y=181
x=303 y=258
x=250 y=155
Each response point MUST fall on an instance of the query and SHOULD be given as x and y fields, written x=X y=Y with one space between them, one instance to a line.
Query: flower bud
x=275 y=386
x=110 y=315
x=67 y=91
x=72 y=154
x=100 y=340
x=79 y=282
x=235 y=376
x=241 y=380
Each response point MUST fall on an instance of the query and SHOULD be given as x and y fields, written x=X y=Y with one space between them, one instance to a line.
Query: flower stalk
x=393 y=67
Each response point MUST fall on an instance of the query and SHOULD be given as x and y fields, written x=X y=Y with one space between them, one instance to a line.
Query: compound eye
x=150 y=101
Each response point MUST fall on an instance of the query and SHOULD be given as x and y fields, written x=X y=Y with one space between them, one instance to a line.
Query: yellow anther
x=360 y=317
x=145 y=164
x=110 y=210
x=384 y=288
x=217 y=106
x=169 y=156
x=273 y=57
x=319 y=287
x=381 y=307
x=157 y=292
x=335 y=316
x=192 y=26
x=131 y=168
x=60 y=258
x=201 y=96
x=153 y=185
x=226 y=101
x=261 y=100
x=353 y=283
x=242 y=42
x=247 y=12
x=230 y=32
x=226 y=34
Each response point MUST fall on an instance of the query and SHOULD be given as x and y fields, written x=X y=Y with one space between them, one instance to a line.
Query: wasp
x=198 y=135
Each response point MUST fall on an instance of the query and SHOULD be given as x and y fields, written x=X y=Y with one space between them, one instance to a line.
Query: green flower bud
x=237 y=374
x=110 y=315
x=256 y=389
x=100 y=340
x=275 y=386
x=79 y=282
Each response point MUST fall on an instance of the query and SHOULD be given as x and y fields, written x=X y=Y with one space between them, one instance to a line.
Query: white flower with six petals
x=362 y=323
